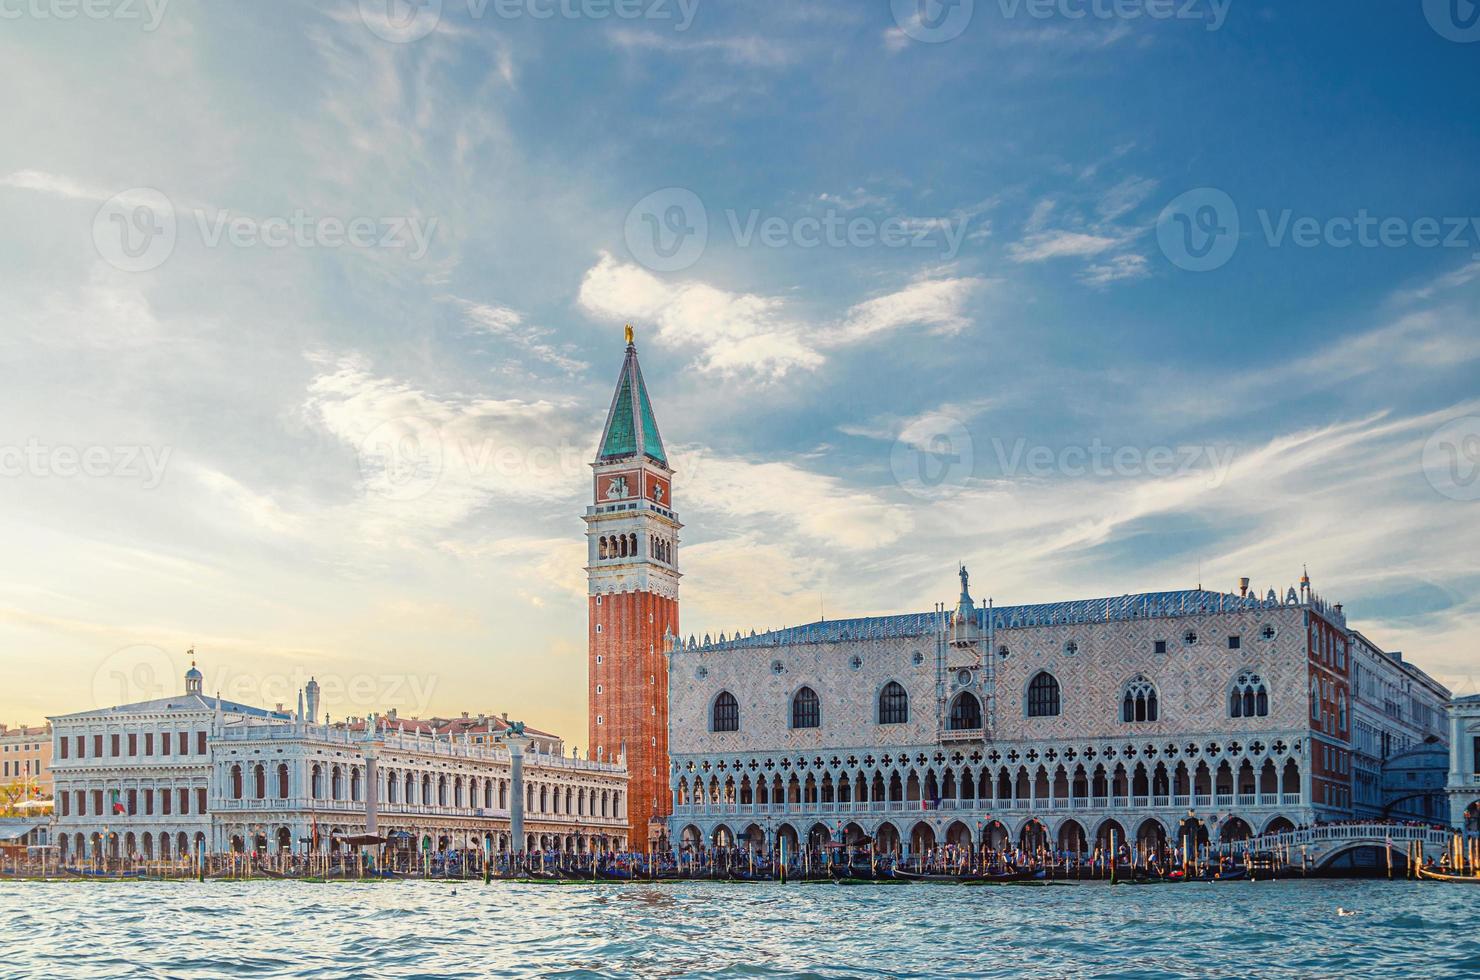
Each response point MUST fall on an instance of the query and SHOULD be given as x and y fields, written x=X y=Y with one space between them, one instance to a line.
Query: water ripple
x=185 y=931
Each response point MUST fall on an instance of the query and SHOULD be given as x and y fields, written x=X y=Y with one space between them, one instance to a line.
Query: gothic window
x=726 y=713
x=805 y=710
x=1249 y=697
x=894 y=705
x=966 y=713
x=601 y=548
x=1139 y=702
x=1043 y=695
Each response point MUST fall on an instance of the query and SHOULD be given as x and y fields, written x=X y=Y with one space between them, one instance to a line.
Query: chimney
x=465 y=716
x=391 y=714
x=506 y=717
x=1243 y=587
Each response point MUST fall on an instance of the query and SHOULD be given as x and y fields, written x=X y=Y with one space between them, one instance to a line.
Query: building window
x=1249 y=697
x=1139 y=702
x=598 y=689
x=726 y=714
x=1160 y=646
x=806 y=712
x=894 y=705
x=598 y=627
x=1071 y=648
x=1234 y=642
x=966 y=713
x=1190 y=637
x=1043 y=695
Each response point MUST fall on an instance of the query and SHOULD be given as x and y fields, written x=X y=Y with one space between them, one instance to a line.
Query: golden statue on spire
x=629 y=334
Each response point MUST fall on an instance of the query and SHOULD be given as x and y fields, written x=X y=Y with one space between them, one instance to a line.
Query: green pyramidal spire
x=631 y=429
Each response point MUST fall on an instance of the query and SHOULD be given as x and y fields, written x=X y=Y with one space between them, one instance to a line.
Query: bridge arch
x=1278 y=825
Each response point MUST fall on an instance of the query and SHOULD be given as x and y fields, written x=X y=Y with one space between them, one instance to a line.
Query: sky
x=310 y=314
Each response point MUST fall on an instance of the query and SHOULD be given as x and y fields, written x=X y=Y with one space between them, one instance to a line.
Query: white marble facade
x=1463 y=786
x=190 y=773
x=300 y=786
x=1060 y=776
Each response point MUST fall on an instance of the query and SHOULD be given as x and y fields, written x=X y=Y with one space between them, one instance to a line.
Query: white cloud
x=1043 y=246
x=748 y=333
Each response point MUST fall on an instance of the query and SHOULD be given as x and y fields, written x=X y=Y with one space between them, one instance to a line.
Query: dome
x=193 y=679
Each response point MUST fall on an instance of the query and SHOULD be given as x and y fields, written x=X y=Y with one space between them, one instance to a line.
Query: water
x=435 y=930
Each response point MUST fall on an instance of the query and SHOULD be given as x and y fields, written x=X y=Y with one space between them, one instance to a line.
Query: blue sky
x=366 y=461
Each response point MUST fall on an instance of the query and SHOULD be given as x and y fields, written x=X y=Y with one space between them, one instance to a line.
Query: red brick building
x=632 y=575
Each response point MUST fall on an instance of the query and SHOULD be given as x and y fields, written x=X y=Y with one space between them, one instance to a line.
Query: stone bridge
x=1318 y=847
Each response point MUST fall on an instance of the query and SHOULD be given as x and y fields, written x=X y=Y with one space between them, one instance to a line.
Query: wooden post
x=782 y=842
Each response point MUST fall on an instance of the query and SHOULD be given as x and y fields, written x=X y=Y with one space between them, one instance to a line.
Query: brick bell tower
x=632 y=600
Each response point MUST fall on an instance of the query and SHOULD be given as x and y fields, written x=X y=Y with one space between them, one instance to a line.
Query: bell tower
x=632 y=599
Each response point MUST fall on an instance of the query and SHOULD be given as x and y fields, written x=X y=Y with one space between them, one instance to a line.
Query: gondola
x=1428 y=875
x=927 y=876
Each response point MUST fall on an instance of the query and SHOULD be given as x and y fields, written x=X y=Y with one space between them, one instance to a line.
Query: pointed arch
x=806 y=709
x=1138 y=702
x=724 y=714
x=1043 y=695
x=894 y=704
x=966 y=713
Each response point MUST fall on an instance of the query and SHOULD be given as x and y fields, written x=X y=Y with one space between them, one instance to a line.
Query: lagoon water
x=466 y=929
